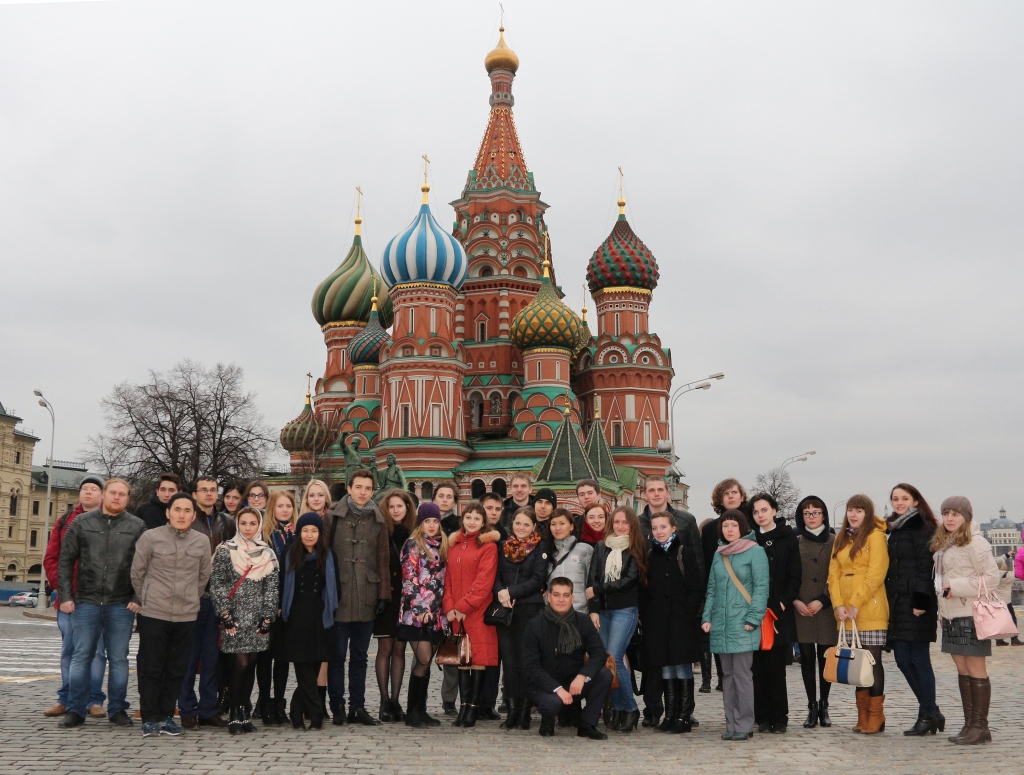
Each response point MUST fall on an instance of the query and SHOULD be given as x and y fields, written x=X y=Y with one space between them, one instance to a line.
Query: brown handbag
x=609 y=664
x=455 y=649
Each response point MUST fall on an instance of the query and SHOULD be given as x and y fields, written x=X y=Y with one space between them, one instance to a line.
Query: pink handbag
x=991 y=617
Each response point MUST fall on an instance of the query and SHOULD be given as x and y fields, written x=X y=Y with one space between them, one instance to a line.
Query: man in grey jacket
x=103 y=602
x=359 y=538
x=171 y=568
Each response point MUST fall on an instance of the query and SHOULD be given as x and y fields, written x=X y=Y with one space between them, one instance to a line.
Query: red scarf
x=589 y=535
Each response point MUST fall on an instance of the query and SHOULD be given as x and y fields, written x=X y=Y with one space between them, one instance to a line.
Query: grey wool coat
x=252 y=602
x=363 y=553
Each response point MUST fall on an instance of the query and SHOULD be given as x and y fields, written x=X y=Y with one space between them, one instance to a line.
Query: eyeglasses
x=206 y=490
x=257 y=496
x=814 y=514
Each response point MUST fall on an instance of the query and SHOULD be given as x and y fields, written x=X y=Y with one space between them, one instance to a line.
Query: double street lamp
x=49 y=488
x=698 y=384
x=796 y=459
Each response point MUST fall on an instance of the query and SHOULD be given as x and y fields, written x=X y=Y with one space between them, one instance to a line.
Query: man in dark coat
x=564 y=659
x=522 y=495
x=154 y=511
x=362 y=550
x=658 y=498
x=785 y=575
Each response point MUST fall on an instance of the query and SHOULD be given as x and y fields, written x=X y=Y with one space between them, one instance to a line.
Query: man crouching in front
x=564 y=661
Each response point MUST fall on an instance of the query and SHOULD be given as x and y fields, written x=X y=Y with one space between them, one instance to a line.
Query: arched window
x=478 y=488
x=486 y=272
x=499 y=487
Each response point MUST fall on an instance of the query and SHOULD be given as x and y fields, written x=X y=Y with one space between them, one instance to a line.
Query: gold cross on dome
x=426 y=161
x=309 y=381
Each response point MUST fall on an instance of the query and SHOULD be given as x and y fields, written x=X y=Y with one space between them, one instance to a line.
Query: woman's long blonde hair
x=270 y=522
x=420 y=539
x=327 y=496
x=959 y=537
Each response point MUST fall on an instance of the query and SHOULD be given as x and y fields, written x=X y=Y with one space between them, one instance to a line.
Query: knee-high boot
x=673 y=688
x=465 y=688
x=981 y=695
x=476 y=693
x=705 y=672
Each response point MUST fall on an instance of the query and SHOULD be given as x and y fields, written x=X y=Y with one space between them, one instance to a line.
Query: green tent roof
x=566 y=461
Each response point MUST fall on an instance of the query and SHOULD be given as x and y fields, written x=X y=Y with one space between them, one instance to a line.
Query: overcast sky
x=833 y=192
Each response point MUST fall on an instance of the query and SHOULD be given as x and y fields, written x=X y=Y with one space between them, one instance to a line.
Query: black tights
x=241 y=678
x=423 y=653
x=878 y=687
x=809 y=652
x=390 y=663
x=267 y=666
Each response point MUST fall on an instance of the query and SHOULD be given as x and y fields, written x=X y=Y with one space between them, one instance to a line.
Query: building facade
x=485 y=367
x=1003 y=533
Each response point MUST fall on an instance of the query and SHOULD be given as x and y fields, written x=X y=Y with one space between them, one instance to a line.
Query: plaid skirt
x=872 y=637
x=959 y=637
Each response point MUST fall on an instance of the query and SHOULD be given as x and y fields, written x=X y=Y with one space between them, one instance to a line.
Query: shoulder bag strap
x=238 y=583
x=679 y=560
x=736 y=581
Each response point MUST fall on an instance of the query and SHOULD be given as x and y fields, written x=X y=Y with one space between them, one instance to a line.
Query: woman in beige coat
x=962 y=559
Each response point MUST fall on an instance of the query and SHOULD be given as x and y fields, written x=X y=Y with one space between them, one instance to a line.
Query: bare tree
x=779 y=485
x=189 y=420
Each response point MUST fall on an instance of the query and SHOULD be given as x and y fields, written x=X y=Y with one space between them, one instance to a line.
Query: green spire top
x=566 y=461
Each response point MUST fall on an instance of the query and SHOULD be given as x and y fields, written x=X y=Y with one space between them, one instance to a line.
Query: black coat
x=509 y=509
x=153 y=512
x=785 y=575
x=386 y=625
x=305 y=637
x=671 y=604
x=545 y=668
x=909 y=584
x=526 y=580
x=624 y=592
x=451 y=523
x=686 y=526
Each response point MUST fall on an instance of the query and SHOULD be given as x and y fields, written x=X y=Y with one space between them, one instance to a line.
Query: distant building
x=1002 y=533
x=23 y=500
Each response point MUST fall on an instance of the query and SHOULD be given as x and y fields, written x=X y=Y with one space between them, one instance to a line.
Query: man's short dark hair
x=593 y=483
x=492 y=496
x=204 y=478
x=559 y=581
x=169 y=476
x=183 y=495
x=448 y=484
x=767 y=498
x=363 y=473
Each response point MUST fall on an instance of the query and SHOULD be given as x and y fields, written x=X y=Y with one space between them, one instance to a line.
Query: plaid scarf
x=517 y=549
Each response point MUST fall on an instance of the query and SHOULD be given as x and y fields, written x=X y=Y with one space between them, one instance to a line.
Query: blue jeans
x=90 y=622
x=204 y=658
x=617 y=628
x=915 y=662
x=682 y=672
x=356 y=635
x=65 y=623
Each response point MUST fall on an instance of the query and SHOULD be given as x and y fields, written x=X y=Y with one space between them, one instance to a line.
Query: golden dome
x=501 y=57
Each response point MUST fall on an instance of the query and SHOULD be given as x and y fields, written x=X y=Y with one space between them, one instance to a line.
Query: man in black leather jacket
x=101 y=544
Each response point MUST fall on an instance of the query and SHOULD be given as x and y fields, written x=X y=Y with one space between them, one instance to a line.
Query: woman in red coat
x=468 y=582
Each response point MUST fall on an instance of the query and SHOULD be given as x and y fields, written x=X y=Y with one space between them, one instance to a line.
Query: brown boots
x=876 y=717
x=862 y=709
x=976 y=693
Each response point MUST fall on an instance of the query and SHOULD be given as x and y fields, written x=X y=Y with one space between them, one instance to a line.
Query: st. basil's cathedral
x=486 y=371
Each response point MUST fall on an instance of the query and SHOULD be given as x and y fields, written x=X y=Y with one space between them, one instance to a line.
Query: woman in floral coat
x=420 y=618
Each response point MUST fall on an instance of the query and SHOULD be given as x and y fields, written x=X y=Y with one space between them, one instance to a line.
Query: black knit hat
x=92 y=479
x=547 y=494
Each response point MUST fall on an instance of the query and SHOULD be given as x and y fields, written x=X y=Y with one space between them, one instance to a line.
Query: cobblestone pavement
x=31 y=743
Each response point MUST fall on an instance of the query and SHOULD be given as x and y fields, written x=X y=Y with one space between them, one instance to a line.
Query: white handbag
x=848 y=663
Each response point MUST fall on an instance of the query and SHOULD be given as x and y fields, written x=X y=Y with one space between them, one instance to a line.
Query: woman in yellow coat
x=856 y=584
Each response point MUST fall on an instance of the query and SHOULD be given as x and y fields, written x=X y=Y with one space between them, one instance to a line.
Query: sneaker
x=71 y=720
x=121 y=719
x=150 y=728
x=168 y=727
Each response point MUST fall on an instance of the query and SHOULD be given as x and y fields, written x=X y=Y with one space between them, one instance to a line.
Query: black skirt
x=386 y=625
x=411 y=634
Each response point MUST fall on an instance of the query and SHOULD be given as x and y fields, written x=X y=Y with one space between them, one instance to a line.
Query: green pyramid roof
x=597 y=452
x=566 y=461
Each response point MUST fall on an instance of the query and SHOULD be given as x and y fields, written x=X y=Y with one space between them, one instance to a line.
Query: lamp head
x=703 y=386
x=718 y=375
x=38 y=393
x=42 y=402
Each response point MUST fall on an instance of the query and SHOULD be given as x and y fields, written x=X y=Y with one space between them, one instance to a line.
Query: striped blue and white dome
x=424 y=252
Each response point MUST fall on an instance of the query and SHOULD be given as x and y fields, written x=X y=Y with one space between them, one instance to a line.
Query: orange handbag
x=768 y=622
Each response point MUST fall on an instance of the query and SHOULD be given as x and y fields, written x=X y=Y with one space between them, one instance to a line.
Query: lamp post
x=697 y=384
x=796 y=459
x=49 y=488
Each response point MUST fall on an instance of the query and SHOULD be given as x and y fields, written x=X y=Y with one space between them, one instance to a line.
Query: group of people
x=239 y=586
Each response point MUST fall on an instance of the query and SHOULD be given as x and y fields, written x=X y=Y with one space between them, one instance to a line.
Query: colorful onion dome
x=305 y=433
x=501 y=57
x=424 y=253
x=546 y=321
x=364 y=348
x=622 y=260
x=347 y=292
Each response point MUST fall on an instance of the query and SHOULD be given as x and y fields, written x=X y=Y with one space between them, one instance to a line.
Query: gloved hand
x=381 y=607
x=263 y=627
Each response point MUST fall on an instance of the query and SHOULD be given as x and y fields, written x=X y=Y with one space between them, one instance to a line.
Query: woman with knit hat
x=420 y=616
x=244 y=593
x=308 y=602
x=963 y=560
x=856 y=584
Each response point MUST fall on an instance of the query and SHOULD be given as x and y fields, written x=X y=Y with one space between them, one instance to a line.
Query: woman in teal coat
x=733 y=612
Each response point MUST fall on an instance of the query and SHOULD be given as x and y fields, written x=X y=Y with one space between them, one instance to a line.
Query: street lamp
x=698 y=384
x=796 y=459
x=49 y=487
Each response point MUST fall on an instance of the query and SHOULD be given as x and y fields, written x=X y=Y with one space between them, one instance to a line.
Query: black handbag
x=496 y=614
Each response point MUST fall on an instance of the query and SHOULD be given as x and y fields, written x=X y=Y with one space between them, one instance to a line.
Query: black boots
x=471 y=687
x=246 y=719
x=397 y=714
x=265 y=710
x=515 y=710
x=627 y=720
x=673 y=704
x=524 y=719
x=823 y=717
x=705 y=672
x=688 y=703
x=812 y=716
x=278 y=711
x=234 y=722
x=417 y=715
x=926 y=724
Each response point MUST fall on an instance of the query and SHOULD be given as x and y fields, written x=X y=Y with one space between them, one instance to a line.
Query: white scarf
x=817 y=531
x=251 y=555
x=613 y=565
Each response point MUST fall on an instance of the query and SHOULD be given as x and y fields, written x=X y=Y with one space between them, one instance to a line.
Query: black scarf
x=569 y=639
